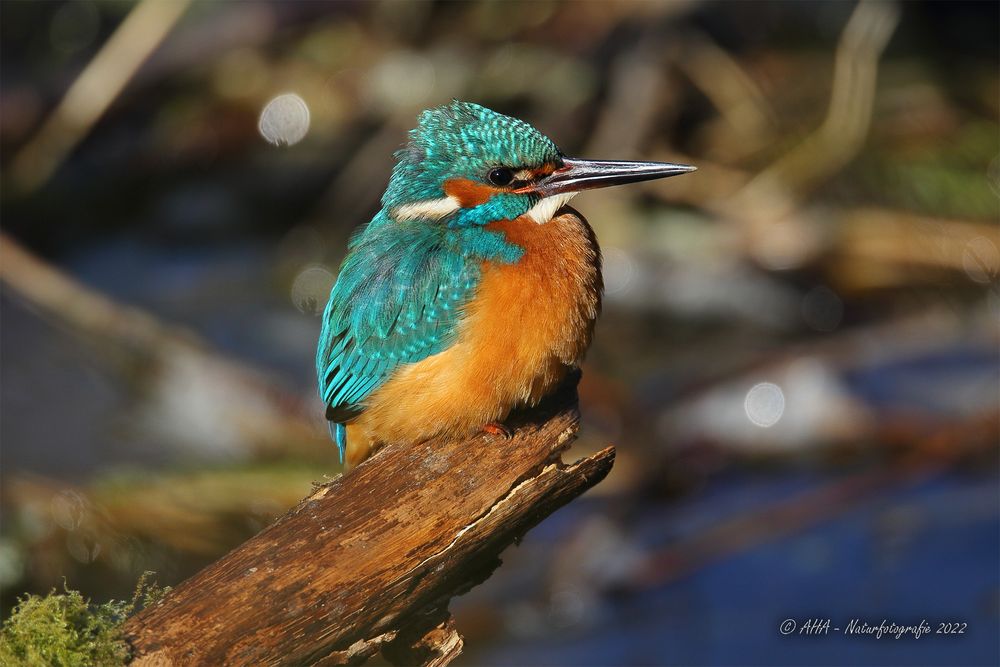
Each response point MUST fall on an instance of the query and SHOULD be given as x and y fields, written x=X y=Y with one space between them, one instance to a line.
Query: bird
x=472 y=292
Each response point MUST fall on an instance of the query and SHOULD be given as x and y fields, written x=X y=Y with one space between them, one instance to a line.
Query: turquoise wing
x=398 y=299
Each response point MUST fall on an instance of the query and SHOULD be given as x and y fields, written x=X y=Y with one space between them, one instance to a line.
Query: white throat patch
x=543 y=211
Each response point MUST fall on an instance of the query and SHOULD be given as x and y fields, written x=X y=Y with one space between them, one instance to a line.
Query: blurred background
x=798 y=357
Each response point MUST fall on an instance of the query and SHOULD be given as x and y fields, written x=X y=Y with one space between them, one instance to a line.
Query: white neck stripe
x=435 y=209
x=546 y=208
x=430 y=209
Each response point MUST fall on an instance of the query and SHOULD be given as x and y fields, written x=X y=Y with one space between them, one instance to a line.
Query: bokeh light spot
x=402 y=80
x=311 y=288
x=618 y=270
x=74 y=26
x=83 y=548
x=981 y=260
x=12 y=563
x=67 y=509
x=993 y=175
x=284 y=120
x=764 y=404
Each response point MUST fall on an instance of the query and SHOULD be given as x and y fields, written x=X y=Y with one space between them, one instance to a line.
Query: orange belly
x=528 y=325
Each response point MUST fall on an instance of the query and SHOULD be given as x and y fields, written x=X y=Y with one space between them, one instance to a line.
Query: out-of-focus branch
x=192 y=395
x=763 y=205
x=774 y=192
x=635 y=100
x=81 y=309
x=100 y=82
x=734 y=93
x=879 y=248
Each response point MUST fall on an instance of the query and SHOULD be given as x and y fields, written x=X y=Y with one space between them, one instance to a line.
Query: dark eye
x=501 y=176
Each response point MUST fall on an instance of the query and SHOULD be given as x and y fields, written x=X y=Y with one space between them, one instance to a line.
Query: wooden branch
x=370 y=561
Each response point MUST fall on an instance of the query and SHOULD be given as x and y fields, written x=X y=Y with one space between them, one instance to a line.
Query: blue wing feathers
x=393 y=303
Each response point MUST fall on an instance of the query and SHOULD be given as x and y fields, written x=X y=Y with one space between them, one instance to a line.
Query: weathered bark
x=369 y=561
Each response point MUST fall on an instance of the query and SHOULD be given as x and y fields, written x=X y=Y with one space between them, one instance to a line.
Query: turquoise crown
x=462 y=140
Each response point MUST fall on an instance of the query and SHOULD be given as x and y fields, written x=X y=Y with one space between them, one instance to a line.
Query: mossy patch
x=65 y=629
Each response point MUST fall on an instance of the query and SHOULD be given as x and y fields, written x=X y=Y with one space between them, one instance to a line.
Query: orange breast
x=529 y=323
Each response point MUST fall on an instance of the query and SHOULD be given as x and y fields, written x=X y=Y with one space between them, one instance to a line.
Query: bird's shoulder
x=397 y=299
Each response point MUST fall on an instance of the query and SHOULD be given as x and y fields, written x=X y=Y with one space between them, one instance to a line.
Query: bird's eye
x=501 y=176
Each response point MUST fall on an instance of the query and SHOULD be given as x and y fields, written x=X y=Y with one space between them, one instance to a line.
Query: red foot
x=496 y=428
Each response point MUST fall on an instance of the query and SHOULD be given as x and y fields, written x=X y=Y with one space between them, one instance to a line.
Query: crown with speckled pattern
x=462 y=139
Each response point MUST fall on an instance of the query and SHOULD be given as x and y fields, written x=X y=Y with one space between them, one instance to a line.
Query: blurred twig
x=194 y=397
x=634 y=100
x=734 y=93
x=774 y=192
x=95 y=89
x=880 y=248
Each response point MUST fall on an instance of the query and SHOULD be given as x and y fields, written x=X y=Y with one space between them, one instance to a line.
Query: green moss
x=66 y=629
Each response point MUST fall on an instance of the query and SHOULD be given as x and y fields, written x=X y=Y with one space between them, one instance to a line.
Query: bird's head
x=467 y=165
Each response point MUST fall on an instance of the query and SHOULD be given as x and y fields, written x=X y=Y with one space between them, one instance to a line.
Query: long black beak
x=576 y=175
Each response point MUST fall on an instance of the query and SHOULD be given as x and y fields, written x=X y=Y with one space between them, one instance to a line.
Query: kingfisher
x=472 y=292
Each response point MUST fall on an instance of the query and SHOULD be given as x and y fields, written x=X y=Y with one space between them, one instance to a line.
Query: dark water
x=905 y=554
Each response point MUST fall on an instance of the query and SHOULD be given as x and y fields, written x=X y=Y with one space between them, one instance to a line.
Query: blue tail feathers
x=339 y=434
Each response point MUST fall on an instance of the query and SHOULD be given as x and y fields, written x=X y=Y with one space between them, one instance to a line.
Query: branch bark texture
x=369 y=561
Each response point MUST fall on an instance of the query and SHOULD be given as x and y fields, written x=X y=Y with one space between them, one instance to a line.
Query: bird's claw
x=496 y=428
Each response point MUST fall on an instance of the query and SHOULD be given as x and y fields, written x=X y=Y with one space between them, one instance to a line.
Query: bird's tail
x=339 y=434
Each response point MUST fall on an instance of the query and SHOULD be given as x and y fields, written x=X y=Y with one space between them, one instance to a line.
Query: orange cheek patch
x=468 y=193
